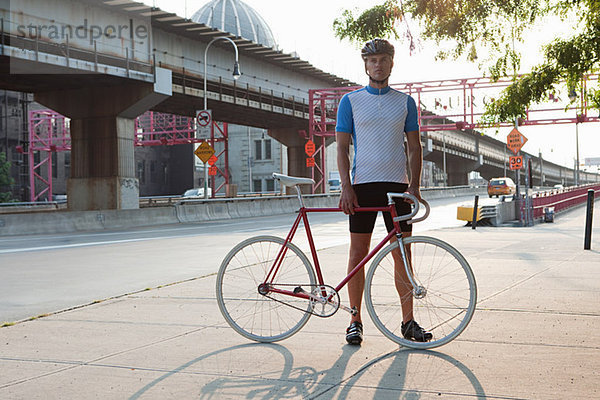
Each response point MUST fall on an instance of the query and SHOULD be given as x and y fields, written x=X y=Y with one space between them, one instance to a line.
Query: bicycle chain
x=298 y=308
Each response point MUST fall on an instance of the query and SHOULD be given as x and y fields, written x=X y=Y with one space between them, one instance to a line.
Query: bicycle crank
x=324 y=300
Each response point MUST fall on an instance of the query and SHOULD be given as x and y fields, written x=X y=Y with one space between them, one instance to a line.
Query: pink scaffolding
x=159 y=129
x=49 y=133
x=450 y=104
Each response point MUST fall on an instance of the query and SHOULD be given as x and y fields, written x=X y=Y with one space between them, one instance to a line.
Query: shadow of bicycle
x=400 y=374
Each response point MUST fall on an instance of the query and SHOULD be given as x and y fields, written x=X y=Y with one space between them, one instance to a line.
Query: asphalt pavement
x=535 y=335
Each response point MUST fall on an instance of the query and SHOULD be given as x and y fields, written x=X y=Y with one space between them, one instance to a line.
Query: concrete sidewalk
x=535 y=335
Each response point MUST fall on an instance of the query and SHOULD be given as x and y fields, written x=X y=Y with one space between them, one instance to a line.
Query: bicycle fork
x=418 y=291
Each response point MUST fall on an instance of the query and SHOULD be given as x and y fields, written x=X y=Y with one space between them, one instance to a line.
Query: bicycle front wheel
x=263 y=318
x=448 y=291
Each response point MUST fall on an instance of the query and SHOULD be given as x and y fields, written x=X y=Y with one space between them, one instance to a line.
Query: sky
x=305 y=27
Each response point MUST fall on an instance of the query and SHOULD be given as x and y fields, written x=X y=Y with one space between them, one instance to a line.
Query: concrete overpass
x=103 y=63
x=468 y=150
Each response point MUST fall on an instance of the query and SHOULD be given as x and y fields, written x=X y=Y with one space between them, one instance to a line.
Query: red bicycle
x=267 y=288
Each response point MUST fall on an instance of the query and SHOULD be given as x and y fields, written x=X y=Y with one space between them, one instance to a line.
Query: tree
x=5 y=179
x=471 y=27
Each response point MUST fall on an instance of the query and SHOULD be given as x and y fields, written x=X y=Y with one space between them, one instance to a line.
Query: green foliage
x=5 y=179
x=564 y=61
x=594 y=98
x=529 y=88
x=472 y=27
x=375 y=22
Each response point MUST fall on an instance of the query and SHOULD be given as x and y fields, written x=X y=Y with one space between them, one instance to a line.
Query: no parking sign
x=203 y=123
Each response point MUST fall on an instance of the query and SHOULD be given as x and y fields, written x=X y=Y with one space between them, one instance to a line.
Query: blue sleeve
x=412 y=118
x=345 y=122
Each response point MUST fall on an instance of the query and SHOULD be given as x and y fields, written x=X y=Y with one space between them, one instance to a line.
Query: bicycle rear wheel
x=447 y=304
x=253 y=315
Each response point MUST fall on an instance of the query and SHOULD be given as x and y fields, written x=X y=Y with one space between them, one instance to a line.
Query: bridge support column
x=102 y=140
x=102 y=164
x=458 y=172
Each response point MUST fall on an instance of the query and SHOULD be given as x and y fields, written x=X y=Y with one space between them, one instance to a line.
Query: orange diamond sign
x=204 y=152
x=515 y=140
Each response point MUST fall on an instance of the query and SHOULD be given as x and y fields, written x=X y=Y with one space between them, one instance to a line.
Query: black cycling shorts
x=375 y=195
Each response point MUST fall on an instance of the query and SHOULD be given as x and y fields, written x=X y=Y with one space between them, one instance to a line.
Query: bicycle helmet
x=377 y=46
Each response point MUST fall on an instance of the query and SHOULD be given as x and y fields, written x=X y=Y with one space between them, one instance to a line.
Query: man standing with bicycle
x=378 y=120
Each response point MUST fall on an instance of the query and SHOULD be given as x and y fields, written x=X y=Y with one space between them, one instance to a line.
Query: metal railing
x=561 y=199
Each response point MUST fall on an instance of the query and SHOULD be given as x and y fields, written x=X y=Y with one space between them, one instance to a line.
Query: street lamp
x=573 y=97
x=236 y=75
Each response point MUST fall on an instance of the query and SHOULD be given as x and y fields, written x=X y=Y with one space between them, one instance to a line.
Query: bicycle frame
x=303 y=217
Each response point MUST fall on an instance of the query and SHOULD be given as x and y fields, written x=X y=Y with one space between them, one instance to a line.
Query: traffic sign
x=515 y=140
x=516 y=162
x=212 y=171
x=204 y=117
x=309 y=147
x=213 y=160
x=310 y=162
x=203 y=123
x=204 y=152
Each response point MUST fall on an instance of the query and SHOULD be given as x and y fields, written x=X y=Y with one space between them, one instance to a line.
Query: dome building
x=255 y=155
x=237 y=18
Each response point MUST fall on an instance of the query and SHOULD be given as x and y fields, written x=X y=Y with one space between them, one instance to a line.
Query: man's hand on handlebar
x=415 y=191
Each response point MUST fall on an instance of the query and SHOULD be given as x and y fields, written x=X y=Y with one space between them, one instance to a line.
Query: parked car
x=196 y=193
x=501 y=186
x=334 y=185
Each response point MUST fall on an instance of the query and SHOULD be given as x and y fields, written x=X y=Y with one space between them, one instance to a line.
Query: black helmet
x=377 y=46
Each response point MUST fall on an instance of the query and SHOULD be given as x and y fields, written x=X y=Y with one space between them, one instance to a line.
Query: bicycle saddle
x=292 y=180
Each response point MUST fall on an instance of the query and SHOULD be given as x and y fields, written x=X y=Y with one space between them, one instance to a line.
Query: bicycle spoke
x=253 y=315
x=446 y=303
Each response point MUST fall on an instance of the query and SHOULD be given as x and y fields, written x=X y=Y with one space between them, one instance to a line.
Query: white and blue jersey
x=377 y=119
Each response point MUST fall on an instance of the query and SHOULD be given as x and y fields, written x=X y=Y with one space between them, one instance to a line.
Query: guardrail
x=170 y=200
x=561 y=199
x=33 y=206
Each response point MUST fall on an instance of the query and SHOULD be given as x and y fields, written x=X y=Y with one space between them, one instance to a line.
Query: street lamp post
x=236 y=75
x=579 y=117
x=577 y=152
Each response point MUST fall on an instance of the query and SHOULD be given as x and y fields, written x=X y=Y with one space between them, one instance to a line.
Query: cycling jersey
x=377 y=119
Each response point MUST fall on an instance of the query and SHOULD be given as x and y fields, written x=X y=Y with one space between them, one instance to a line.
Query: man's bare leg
x=359 y=248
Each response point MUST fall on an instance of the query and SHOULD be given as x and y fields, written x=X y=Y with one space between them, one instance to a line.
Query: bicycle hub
x=264 y=289
x=419 y=292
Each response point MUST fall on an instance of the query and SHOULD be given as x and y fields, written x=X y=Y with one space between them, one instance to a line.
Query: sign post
x=310 y=149
x=204 y=152
x=515 y=141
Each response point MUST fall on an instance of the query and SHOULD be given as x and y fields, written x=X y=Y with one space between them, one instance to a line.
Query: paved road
x=47 y=273
x=535 y=335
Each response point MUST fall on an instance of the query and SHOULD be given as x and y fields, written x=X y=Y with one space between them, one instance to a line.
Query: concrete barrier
x=505 y=212
x=183 y=212
x=457 y=191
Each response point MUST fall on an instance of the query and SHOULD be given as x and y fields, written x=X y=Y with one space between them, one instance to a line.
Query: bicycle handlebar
x=414 y=205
